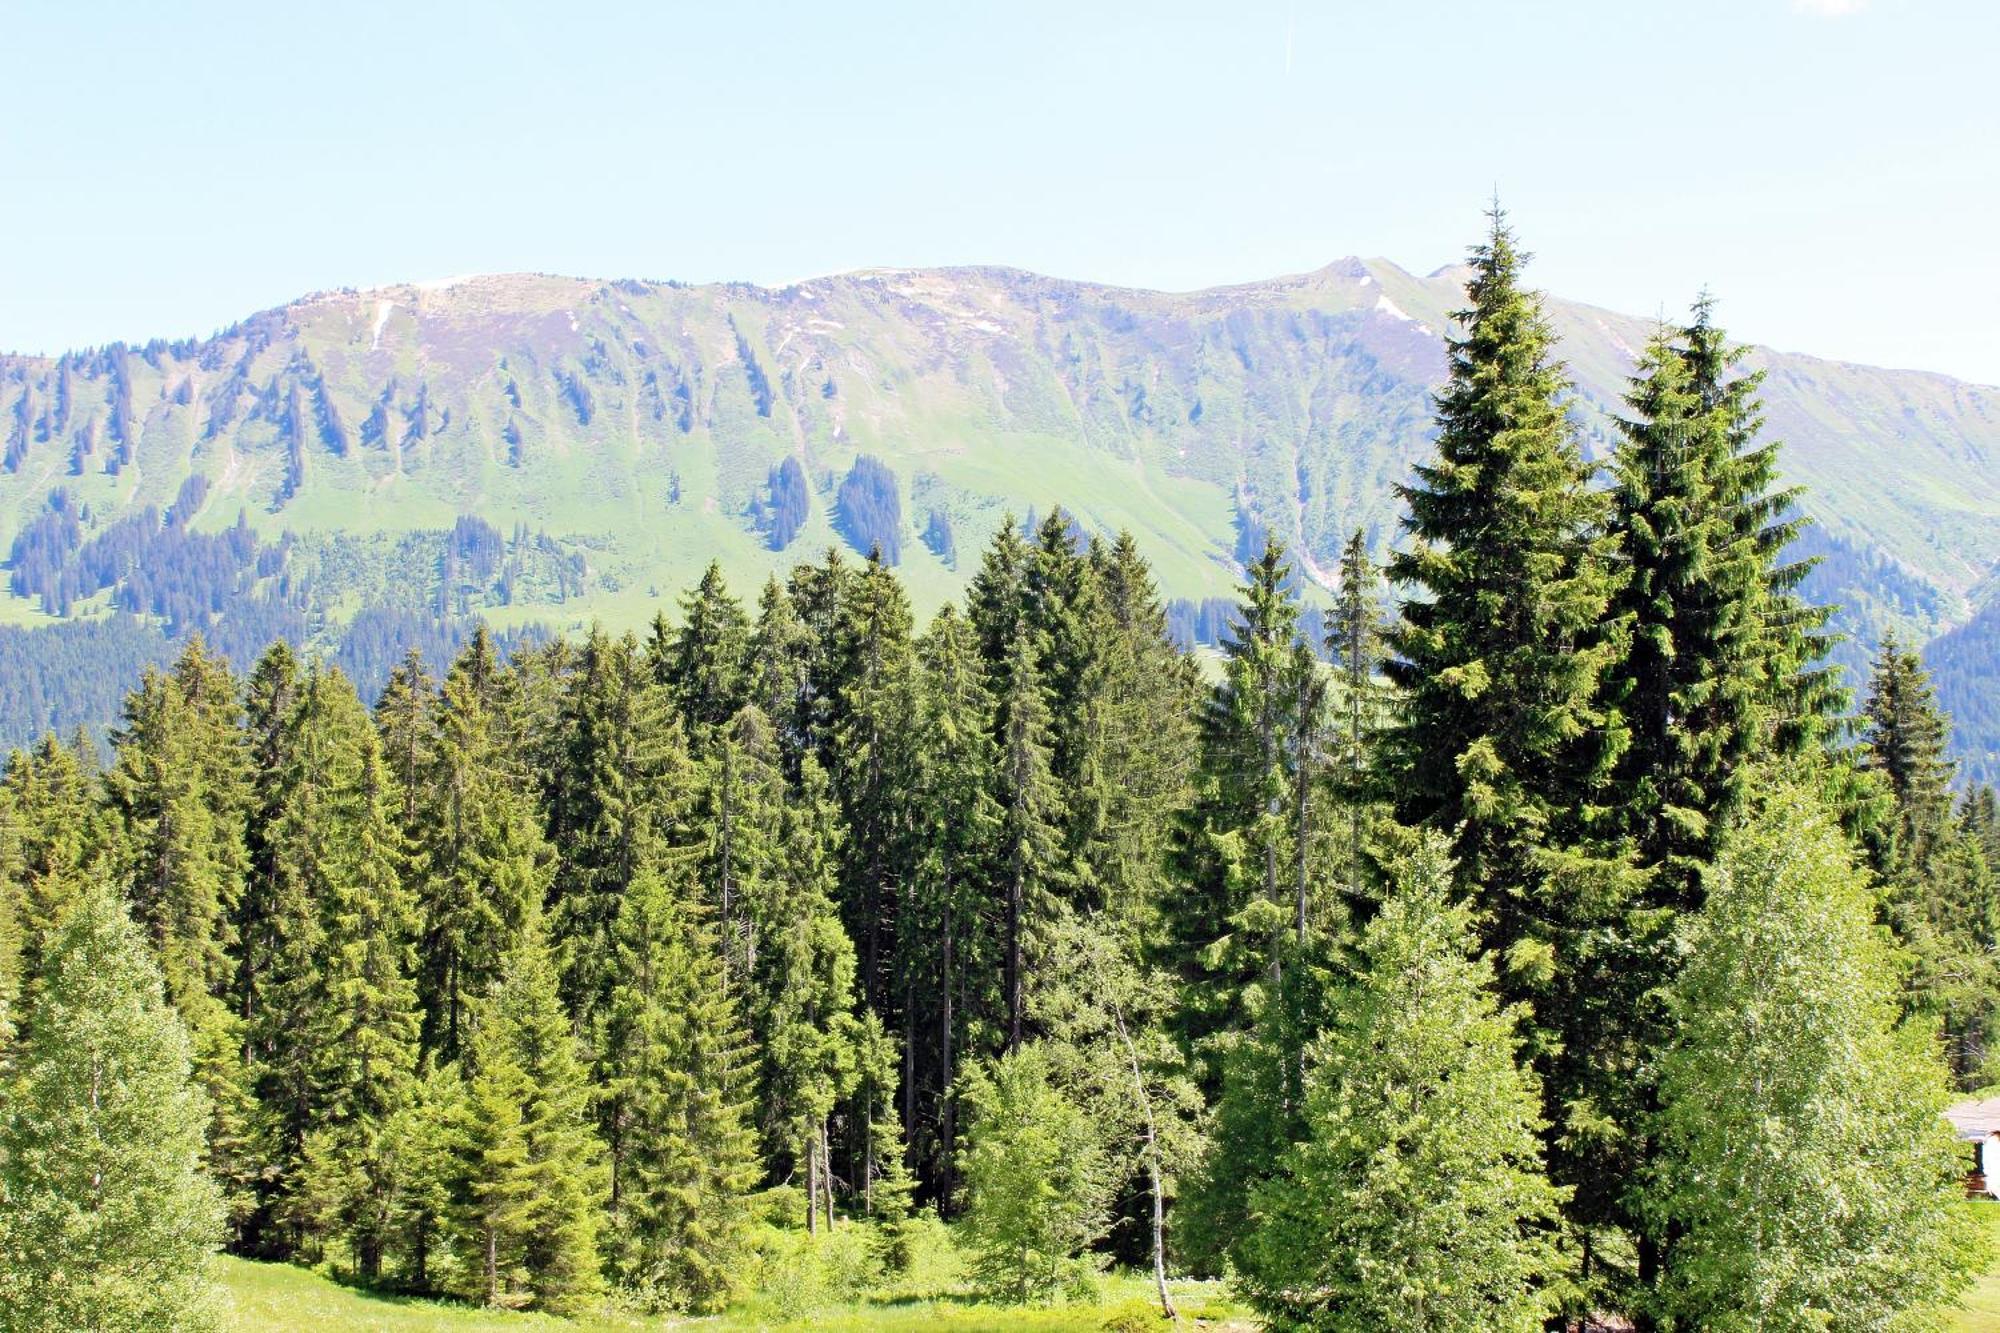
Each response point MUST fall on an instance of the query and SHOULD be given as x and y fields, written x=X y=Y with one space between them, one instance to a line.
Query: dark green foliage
x=870 y=509
x=789 y=505
x=530 y=1179
x=703 y=664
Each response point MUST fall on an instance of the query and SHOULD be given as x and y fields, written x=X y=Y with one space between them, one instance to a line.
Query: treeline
x=1555 y=950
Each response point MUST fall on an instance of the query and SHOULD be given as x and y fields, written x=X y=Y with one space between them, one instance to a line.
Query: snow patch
x=1367 y=280
x=382 y=309
x=1390 y=308
x=573 y=325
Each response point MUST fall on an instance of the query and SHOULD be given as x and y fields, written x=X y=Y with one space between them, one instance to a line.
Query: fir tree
x=50 y=790
x=109 y=1219
x=1417 y=1196
x=778 y=661
x=1906 y=737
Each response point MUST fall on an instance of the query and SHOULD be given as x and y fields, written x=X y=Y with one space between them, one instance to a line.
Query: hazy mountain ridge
x=630 y=429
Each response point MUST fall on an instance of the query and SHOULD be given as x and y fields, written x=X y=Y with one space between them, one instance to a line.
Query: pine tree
x=12 y=912
x=1790 y=1066
x=406 y=717
x=531 y=1179
x=675 y=1092
x=109 y=1220
x=1417 y=1197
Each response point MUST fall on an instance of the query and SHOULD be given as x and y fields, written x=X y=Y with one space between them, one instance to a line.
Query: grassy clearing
x=264 y=1298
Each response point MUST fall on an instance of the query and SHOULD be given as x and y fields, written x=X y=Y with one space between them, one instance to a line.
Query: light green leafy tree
x=1805 y=1170
x=107 y=1219
x=1037 y=1179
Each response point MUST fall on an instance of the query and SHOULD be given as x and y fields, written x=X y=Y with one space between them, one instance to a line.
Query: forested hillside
x=606 y=439
x=1510 y=958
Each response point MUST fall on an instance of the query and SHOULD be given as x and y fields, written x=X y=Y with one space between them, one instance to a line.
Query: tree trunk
x=1167 y=1310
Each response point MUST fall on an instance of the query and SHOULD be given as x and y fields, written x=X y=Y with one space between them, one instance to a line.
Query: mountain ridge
x=634 y=430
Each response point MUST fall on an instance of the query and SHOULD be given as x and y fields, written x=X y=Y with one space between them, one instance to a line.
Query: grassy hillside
x=614 y=436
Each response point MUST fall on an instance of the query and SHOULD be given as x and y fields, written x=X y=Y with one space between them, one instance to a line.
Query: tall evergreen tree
x=483 y=856
x=1026 y=853
x=627 y=786
x=702 y=663
x=51 y=790
x=676 y=1086
x=948 y=963
x=777 y=662
x=1354 y=643
x=107 y=1219
x=1802 y=697
x=1906 y=737
x=530 y=1180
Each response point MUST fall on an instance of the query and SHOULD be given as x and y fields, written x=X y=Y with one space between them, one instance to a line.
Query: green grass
x=1982 y=1304
x=265 y=1297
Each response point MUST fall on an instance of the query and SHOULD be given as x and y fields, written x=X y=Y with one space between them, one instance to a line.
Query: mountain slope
x=611 y=437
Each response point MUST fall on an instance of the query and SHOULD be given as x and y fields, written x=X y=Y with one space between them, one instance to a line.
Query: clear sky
x=1831 y=168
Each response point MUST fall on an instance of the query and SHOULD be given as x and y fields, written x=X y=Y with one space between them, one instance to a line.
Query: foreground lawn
x=1982 y=1304
x=264 y=1298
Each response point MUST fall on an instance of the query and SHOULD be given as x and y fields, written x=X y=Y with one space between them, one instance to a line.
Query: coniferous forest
x=1539 y=932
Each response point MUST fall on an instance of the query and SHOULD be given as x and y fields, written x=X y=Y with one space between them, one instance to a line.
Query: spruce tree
x=1801 y=695
x=702 y=663
x=1789 y=1066
x=530 y=1180
x=107 y=1219
x=802 y=976
x=1417 y=1196
x=777 y=663
x=1906 y=737
x=1354 y=643
x=872 y=767
x=1504 y=736
x=1026 y=852
x=676 y=1084
x=51 y=790
x=626 y=784
x=948 y=961
x=483 y=856
x=1502 y=648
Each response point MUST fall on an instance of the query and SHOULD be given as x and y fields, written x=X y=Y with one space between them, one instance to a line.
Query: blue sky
x=1831 y=168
